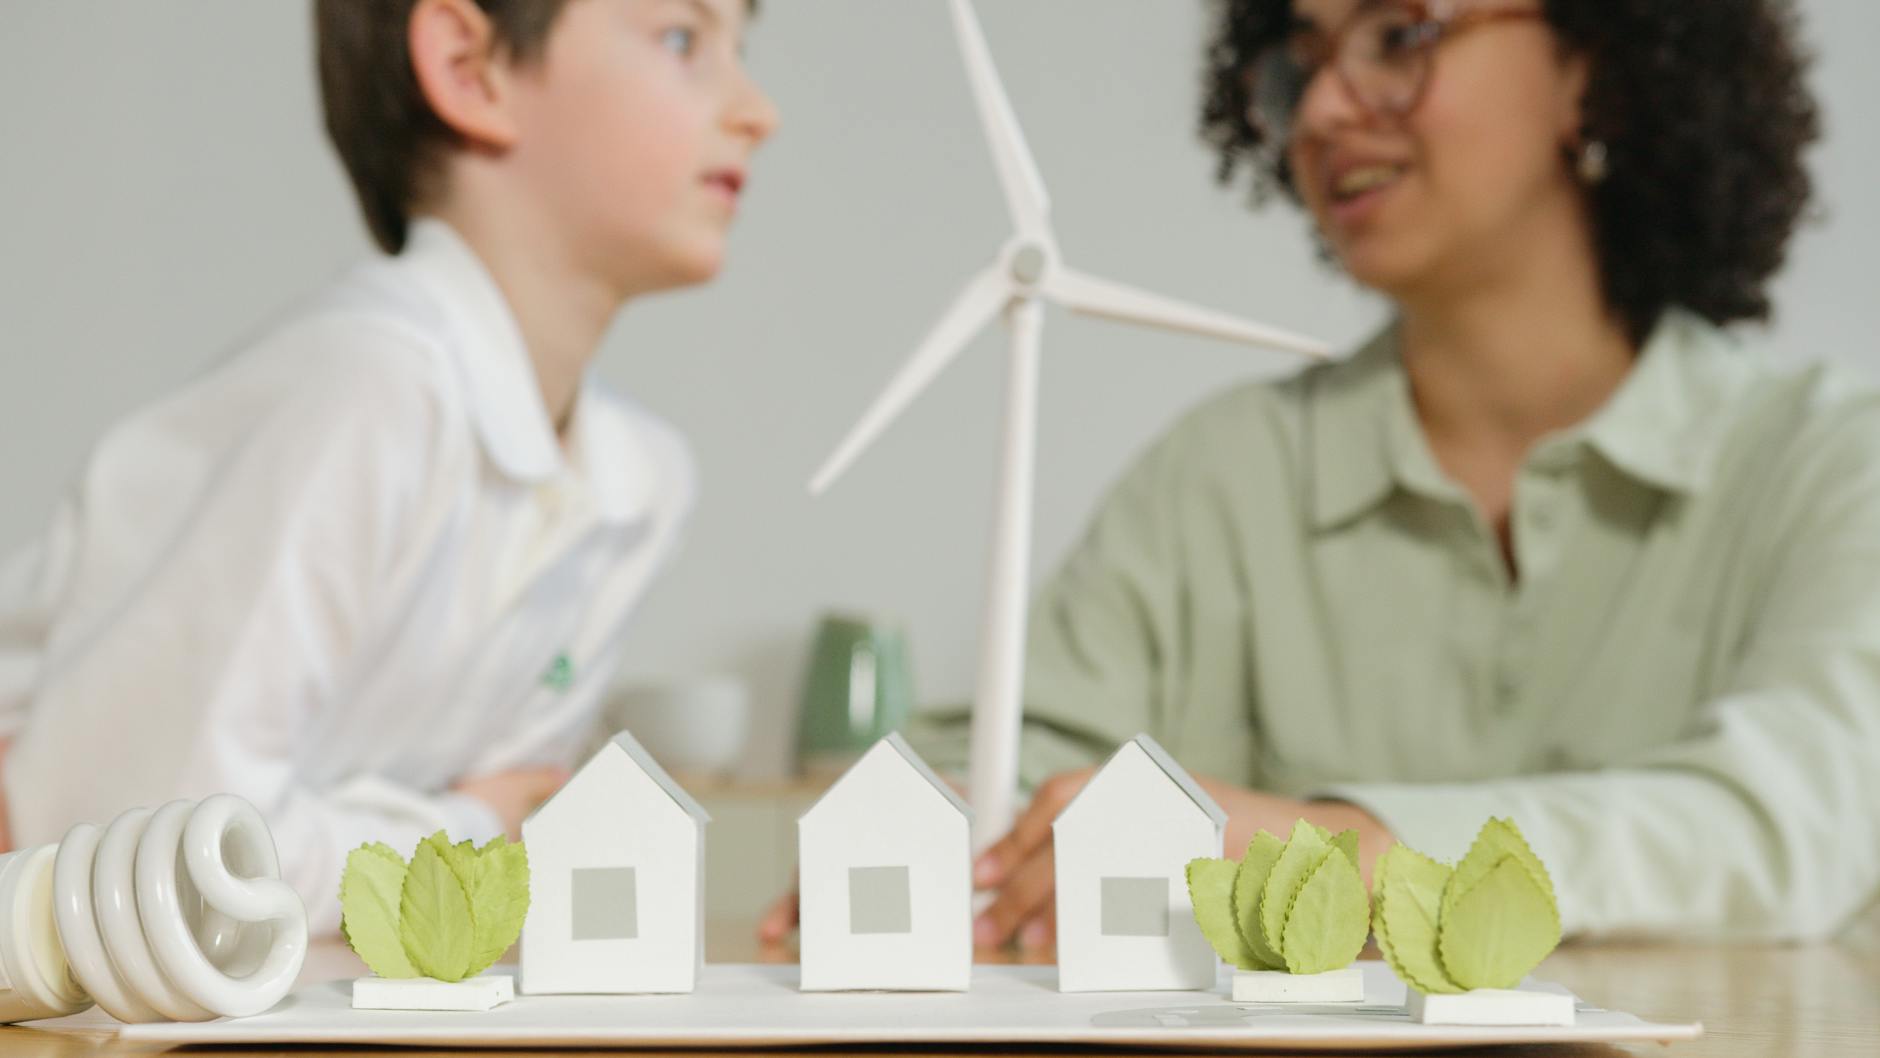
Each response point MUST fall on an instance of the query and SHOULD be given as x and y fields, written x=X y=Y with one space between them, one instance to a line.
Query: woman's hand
x=1021 y=869
x=782 y=917
x=513 y=794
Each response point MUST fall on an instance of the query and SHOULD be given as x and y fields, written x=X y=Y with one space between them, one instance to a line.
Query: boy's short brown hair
x=385 y=132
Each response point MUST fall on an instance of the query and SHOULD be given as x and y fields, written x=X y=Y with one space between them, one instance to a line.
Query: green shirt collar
x=1663 y=426
x=1670 y=418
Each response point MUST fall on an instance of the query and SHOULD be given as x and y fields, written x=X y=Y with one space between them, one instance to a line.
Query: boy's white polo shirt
x=336 y=574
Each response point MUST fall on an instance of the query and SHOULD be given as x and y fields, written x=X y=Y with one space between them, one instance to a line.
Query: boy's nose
x=753 y=115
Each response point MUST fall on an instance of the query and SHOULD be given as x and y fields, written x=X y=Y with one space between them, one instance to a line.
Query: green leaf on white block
x=1509 y=837
x=1409 y=887
x=460 y=857
x=434 y=914
x=1496 y=839
x=1329 y=918
x=1498 y=931
x=1249 y=883
x=499 y=901
x=1347 y=842
x=1210 y=892
x=369 y=891
x=1303 y=852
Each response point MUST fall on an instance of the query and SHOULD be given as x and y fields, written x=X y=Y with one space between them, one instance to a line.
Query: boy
x=373 y=572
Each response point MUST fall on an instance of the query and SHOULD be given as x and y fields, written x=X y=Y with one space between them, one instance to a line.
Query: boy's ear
x=455 y=57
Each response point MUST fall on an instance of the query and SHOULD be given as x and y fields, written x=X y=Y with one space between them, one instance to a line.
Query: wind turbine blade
x=1025 y=193
x=984 y=295
x=1100 y=297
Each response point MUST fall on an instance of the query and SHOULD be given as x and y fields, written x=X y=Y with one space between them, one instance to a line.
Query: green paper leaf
x=369 y=890
x=434 y=913
x=1329 y=918
x=1348 y=842
x=1249 y=883
x=1210 y=891
x=1409 y=900
x=460 y=857
x=499 y=900
x=1377 y=919
x=1509 y=837
x=1499 y=929
x=1344 y=839
x=1303 y=852
x=1496 y=839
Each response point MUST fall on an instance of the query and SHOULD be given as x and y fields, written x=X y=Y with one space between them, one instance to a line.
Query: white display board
x=759 y=1006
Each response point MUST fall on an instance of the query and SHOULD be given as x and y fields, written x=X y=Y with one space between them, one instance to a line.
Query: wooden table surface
x=1766 y=1001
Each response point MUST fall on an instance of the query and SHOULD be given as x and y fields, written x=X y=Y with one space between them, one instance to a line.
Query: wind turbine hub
x=1029 y=264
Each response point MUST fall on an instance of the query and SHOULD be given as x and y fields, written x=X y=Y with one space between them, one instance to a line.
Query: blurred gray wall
x=165 y=189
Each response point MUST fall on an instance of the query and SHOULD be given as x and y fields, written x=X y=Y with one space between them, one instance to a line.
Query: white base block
x=429 y=993
x=1275 y=986
x=1490 y=1006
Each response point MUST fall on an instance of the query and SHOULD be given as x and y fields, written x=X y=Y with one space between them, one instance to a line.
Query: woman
x=1550 y=547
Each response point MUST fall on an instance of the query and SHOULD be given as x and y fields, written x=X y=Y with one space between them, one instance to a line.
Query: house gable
x=623 y=750
x=890 y=765
x=1139 y=768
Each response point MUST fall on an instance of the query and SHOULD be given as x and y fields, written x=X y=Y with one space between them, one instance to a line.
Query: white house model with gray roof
x=886 y=879
x=616 y=880
x=1122 y=848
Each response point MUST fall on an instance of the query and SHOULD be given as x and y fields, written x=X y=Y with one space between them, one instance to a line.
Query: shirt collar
x=609 y=452
x=1348 y=431
x=1663 y=426
x=505 y=397
x=1668 y=421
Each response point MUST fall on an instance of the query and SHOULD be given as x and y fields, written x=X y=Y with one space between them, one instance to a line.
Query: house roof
x=645 y=762
x=1176 y=773
x=906 y=751
x=895 y=742
x=626 y=741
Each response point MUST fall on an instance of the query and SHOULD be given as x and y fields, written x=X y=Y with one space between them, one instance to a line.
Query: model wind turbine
x=1027 y=272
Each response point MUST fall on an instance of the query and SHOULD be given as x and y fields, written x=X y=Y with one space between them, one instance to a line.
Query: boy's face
x=636 y=128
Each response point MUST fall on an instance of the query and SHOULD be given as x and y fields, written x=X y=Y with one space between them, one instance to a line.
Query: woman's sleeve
x=1764 y=822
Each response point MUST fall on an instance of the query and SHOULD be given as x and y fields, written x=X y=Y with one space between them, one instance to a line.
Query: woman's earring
x=1593 y=164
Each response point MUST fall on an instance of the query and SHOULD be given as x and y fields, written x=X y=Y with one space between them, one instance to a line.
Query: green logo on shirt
x=560 y=674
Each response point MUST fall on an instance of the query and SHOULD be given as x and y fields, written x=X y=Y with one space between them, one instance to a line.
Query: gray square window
x=605 y=904
x=878 y=900
x=1135 y=907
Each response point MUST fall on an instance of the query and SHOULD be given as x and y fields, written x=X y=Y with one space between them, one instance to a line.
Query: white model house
x=1122 y=848
x=886 y=879
x=616 y=880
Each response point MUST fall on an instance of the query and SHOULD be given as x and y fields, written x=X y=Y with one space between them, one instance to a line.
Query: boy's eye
x=680 y=40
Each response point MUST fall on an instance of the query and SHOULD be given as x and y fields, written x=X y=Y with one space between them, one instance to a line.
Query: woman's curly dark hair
x=1704 y=112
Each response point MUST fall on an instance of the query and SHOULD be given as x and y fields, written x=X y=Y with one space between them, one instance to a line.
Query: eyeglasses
x=1382 y=53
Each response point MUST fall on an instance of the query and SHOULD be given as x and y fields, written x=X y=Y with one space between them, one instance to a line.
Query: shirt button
x=1543 y=517
x=1508 y=683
